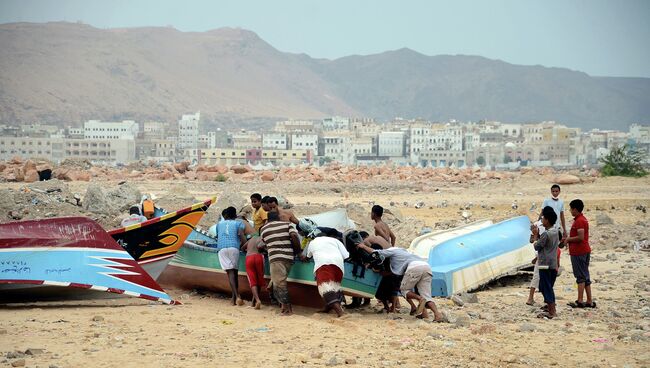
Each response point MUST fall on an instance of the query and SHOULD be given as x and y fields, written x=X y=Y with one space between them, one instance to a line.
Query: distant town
x=348 y=141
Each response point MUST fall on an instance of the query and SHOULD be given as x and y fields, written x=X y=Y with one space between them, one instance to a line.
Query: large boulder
x=118 y=199
x=566 y=179
x=182 y=167
x=240 y=169
x=31 y=176
x=267 y=176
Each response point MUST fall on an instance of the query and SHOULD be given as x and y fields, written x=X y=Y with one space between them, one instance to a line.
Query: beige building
x=58 y=149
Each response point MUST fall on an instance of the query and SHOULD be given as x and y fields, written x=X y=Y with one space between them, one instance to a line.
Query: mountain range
x=65 y=73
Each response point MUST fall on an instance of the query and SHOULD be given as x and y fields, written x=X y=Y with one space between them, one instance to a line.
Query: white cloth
x=229 y=258
x=326 y=250
x=534 y=283
x=132 y=220
x=416 y=264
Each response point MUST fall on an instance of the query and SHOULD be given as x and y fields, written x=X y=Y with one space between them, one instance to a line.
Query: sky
x=599 y=37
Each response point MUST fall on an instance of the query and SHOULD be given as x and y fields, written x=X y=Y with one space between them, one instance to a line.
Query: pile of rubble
x=16 y=170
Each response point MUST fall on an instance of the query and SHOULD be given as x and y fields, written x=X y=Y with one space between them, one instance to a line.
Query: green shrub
x=221 y=178
x=623 y=161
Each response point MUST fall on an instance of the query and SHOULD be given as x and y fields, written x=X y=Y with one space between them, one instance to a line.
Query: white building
x=95 y=129
x=391 y=144
x=418 y=137
x=246 y=140
x=336 y=123
x=274 y=141
x=153 y=130
x=335 y=146
x=289 y=126
x=188 y=131
x=106 y=151
x=304 y=141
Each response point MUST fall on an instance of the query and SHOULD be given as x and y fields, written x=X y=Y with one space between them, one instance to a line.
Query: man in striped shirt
x=282 y=243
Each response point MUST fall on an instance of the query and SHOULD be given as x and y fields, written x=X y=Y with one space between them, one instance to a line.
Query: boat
x=154 y=243
x=422 y=245
x=69 y=252
x=197 y=266
x=468 y=257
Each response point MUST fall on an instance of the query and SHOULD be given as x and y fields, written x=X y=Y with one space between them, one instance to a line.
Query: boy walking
x=580 y=252
x=546 y=245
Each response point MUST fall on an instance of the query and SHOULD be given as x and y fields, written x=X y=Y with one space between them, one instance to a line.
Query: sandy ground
x=499 y=330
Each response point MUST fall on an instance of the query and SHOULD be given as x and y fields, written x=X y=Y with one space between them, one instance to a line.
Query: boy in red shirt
x=580 y=252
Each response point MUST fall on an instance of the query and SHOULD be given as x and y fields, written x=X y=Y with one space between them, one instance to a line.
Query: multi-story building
x=273 y=140
x=289 y=126
x=232 y=156
x=246 y=140
x=106 y=151
x=336 y=123
x=391 y=144
x=95 y=129
x=304 y=141
x=188 y=131
x=153 y=130
x=335 y=146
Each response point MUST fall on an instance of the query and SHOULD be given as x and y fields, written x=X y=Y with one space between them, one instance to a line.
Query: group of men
x=275 y=230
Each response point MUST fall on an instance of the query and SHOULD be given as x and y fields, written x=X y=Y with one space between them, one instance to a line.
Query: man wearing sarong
x=328 y=254
x=282 y=244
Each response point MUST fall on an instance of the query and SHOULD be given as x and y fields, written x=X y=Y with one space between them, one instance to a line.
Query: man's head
x=376 y=212
x=273 y=203
x=549 y=217
x=273 y=216
x=576 y=206
x=229 y=213
x=364 y=234
x=555 y=191
x=256 y=200
x=134 y=210
x=265 y=203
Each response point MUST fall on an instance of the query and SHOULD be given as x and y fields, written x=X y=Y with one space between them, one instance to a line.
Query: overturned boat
x=197 y=266
x=69 y=252
x=154 y=243
x=470 y=256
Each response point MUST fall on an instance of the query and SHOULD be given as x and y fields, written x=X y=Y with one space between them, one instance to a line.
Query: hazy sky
x=604 y=38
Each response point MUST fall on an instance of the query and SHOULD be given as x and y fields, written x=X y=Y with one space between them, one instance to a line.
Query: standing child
x=255 y=268
x=381 y=228
x=546 y=245
x=259 y=215
x=580 y=252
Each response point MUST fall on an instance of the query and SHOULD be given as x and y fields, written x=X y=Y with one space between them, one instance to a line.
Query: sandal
x=544 y=308
x=545 y=315
x=530 y=303
x=577 y=304
x=592 y=305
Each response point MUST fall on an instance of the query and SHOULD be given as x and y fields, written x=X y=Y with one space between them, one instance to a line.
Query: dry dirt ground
x=498 y=331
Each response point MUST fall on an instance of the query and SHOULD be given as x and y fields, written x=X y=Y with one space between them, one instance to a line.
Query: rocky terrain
x=489 y=327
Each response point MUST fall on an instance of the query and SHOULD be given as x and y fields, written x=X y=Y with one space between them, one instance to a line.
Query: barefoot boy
x=546 y=246
x=580 y=252
x=255 y=268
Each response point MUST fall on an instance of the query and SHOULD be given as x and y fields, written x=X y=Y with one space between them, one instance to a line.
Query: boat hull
x=154 y=243
x=198 y=267
x=471 y=260
x=73 y=252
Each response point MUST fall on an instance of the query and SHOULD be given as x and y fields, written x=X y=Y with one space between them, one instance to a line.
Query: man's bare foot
x=258 y=304
x=240 y=301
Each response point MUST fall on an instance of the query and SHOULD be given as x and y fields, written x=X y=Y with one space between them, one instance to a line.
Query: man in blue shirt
x=230 y=237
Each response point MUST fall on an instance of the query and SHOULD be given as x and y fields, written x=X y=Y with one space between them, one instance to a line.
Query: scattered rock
x=509 y=358
x=34 y=351
x=316 y=355
x=462 y=321
x=350 y=361
x=18 y=363
x=527 y=327
x=566 y=179
x=457 y=300
x=469 y=297
x=98 y=319
x=333 y=361
x=15 y=354
x=603 y=219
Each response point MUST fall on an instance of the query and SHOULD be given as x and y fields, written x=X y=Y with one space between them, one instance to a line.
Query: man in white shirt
x=328 y=254
x=558 y=206
x=134 y=217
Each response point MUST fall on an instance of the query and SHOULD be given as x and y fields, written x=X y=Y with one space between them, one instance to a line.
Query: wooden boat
x=154 y=243
x=70 y=252
x=468 y=257
x=197 y=266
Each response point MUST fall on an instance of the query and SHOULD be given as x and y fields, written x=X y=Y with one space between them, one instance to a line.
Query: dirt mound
x=111 y=202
